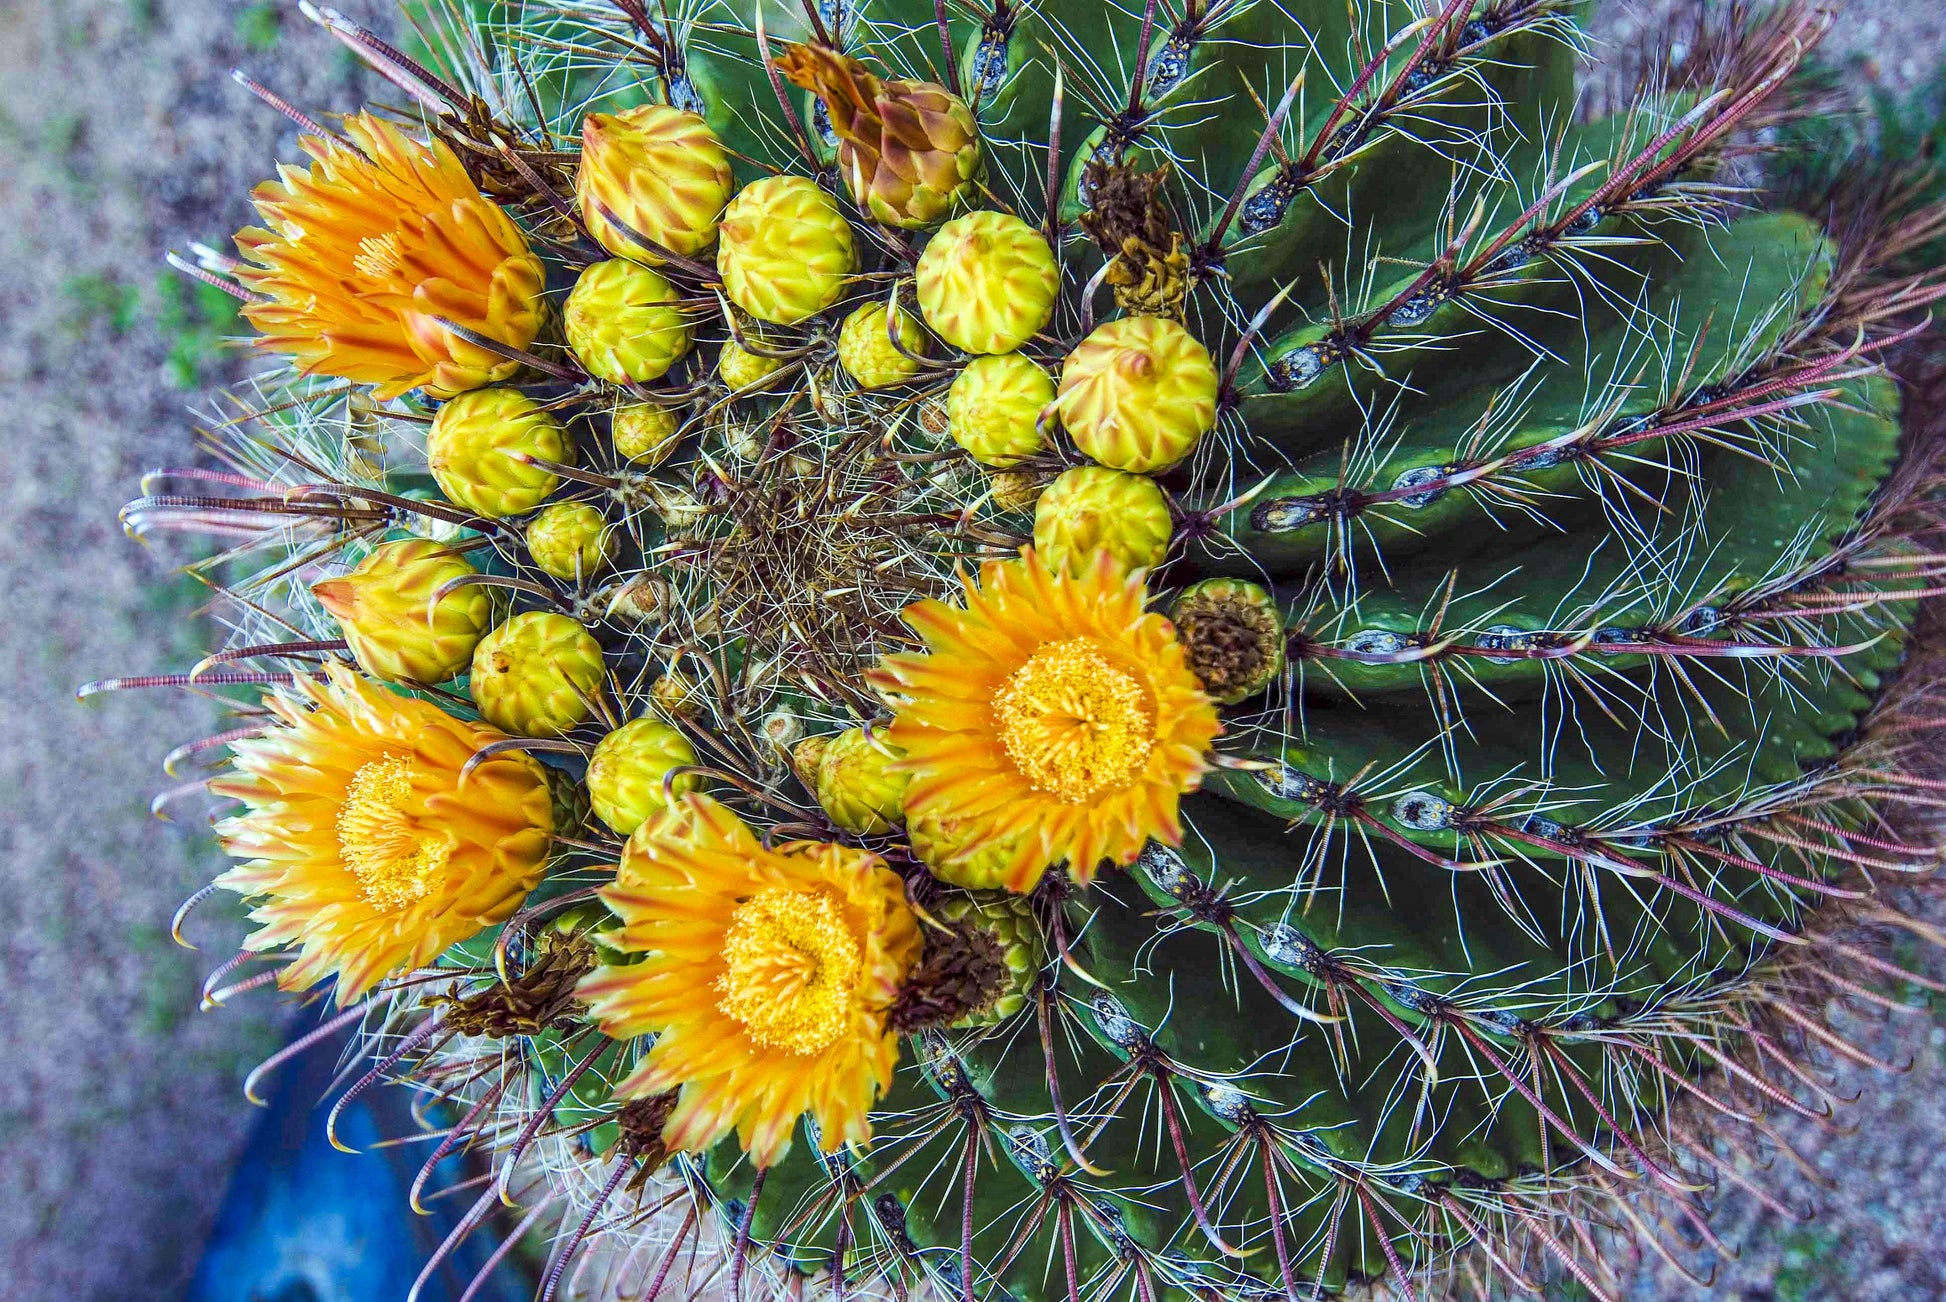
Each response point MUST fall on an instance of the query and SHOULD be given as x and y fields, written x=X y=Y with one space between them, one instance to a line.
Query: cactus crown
x=1532 y=500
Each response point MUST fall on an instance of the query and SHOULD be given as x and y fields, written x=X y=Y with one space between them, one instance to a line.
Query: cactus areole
x=1222 y=650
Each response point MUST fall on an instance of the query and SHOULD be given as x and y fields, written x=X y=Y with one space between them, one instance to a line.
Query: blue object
x=303 y=1222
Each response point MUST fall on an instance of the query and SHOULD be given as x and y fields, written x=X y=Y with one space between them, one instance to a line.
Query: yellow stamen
x=793 y=964
x=396 y=862
x=380 y=256
x=1074 y=722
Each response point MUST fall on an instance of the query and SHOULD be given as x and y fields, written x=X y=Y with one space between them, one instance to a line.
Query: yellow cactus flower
x=537 y=675
x=645 y=433
x=366 y=854
x=368 y=258
x=909 y=150
x=570 y=540
x=857 y=786
x=1051 y=712
x=628 y=775
x=994 y=408
x=1139 y=394
x=764 y=975
x=625 y=322
x=786 y=250
x=739 y=368
x=660 y=173
x=384 y=609
x=865 y=347
x=471 y=447
x=987 y=282
x=1090 y=509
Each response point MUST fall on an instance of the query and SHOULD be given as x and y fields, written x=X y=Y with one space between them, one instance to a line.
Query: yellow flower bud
x=740 y=368
x=675 y=694
x=993 y=409
x=909 y=150
x=536 y=675
x=806 y=756
x=383 y=608
x=1089 y=507
x=1138 y=393
x=865 y=347
x=627 y=771
x=570 y=540
x=660 y=172
x=786 y=250
x=987 y=282
x=1015 y=490
x=943 y=846
x=470 y=445
x=624 y=323
x=856 y=787
x=645 y=433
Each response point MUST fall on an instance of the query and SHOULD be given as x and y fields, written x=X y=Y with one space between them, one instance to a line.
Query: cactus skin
x=1578 y=496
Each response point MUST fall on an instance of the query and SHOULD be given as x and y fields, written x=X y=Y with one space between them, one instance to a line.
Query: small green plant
x=259 y=26
x=103 y=302
x=196 y=319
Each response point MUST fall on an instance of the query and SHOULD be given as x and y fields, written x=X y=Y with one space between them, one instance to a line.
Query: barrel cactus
x=1398 y=830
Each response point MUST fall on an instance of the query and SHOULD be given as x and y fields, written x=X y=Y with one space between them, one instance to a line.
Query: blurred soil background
x=121 y=135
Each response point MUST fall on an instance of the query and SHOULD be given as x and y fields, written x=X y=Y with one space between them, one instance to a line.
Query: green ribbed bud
x=1009 y=920
x=536 y=674
x=627 y=772
x=569 y=800
x=856 y=788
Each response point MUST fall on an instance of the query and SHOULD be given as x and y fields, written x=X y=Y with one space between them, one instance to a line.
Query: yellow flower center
x=793 y=964
x=1074 y=722
x=396 y=863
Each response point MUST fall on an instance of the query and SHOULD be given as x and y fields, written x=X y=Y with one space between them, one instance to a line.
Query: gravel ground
x=119 y=1108
x=120 y=136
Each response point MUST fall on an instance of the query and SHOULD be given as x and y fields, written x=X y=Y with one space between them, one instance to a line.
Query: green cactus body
x=1580 y=492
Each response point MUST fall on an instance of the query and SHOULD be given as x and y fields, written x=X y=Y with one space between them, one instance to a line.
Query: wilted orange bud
x=910 y=150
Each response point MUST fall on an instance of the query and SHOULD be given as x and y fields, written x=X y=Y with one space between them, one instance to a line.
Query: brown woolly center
x=538 y=997
x=962 y=973
x=1231 y=644
x=396 y=862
